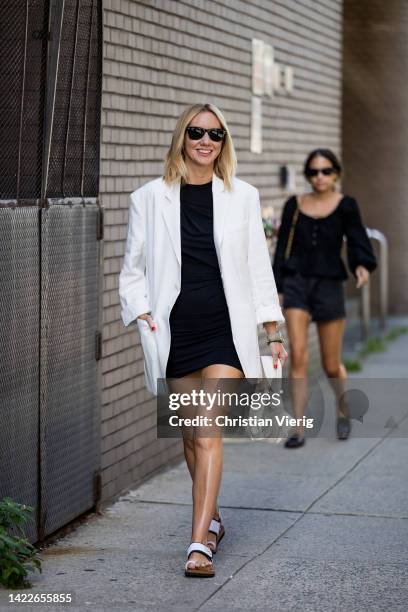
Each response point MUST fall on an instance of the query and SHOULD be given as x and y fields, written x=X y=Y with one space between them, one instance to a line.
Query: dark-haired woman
x=309 y=272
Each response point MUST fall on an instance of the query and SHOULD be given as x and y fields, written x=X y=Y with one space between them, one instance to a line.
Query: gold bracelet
x=276 y=338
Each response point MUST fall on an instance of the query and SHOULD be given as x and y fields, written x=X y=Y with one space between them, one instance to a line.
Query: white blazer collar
x=171 y=213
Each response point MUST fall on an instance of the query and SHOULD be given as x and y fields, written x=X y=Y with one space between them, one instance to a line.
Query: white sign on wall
x=277 y=77
x=267 y=77
x=268 y=70
x=289 y=79
x=257 y=67
x=256 y=125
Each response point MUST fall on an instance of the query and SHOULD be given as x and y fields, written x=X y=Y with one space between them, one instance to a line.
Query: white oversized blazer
x=150 y=278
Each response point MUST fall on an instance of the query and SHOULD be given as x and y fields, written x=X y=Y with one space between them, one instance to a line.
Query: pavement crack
x=358 y=514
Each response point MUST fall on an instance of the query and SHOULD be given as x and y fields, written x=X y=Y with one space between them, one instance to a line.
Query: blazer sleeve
x=283 y=237
x=133 y=292
x=359 y=249
x=264 y=293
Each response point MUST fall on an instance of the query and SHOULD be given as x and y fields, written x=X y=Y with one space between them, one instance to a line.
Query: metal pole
x=55 y=27
x=20 y=137
x=383 y=273
x=365 y=310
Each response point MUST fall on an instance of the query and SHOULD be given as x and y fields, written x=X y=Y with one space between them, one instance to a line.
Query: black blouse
x=317 y=243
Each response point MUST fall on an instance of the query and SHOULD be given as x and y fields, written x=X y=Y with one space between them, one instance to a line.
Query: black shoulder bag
x=290 y=262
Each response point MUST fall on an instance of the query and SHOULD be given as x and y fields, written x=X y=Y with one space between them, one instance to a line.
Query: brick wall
x=160 y=56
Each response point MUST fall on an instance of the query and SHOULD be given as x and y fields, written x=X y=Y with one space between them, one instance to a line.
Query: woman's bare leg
x=297 y=323
x=208 y=459
x=331 y=341
x=188 y=441
x=186 y=384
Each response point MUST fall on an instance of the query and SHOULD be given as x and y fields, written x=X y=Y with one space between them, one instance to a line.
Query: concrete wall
x=375 y=107
x=159 y=57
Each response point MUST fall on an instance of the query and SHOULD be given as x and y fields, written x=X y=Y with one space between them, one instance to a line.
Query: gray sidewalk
x=320 y=528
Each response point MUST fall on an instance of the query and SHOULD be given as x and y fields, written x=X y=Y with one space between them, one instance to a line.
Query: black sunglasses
x=195 y=133
x=311 y=172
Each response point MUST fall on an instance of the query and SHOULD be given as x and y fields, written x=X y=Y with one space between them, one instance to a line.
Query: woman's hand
x=362 y=276
x=277 y=348
x=147 y=317
x=278 y=352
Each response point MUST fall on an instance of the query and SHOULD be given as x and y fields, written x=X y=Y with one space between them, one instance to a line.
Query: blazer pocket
x=142 y=324
x=150 y=354
x=146 y=335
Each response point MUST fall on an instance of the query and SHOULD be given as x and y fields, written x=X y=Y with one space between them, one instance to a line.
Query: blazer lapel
x=221 y=204
x=171 y=214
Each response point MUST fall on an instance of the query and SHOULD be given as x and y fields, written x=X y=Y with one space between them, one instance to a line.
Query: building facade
x=375 y=113
x=77 y=424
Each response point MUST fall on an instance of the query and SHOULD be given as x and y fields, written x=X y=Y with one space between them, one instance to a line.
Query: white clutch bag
x=268 y=371
x=273 y=379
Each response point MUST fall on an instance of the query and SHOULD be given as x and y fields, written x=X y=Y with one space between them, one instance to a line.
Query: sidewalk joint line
x=358 y=462
x=282 y=510
x=169 y=503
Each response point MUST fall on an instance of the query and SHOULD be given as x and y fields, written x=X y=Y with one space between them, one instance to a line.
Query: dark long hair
x=327 y=154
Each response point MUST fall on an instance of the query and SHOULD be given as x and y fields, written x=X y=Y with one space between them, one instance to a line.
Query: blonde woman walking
x=198 y=280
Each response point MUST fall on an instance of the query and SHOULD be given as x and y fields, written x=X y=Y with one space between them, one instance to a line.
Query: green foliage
x=373 y=345
x=269 y=228
x=376 y=344
x=395 y=333
x=17 y=555
x=352 y=365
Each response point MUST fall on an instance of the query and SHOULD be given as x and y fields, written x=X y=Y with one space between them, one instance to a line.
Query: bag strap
x=292 y=231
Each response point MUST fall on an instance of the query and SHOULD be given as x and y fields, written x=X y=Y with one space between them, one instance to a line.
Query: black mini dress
x=200 y=325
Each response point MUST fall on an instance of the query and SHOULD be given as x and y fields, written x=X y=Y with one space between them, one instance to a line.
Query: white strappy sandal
x=204 y=571
x=217 y=528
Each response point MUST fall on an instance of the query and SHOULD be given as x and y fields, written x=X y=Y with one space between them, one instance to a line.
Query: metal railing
x=378 y=236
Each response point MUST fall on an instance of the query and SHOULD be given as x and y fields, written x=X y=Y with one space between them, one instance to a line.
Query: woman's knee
x=332 y=368
x=208 y=444
x=188 y=443
x=342 y=371
x=299 y=358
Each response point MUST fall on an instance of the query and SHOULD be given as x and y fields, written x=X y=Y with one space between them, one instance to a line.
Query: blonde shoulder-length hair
x=175 y=168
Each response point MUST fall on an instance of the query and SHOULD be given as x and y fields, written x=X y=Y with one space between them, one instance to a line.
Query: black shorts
x=323 y=298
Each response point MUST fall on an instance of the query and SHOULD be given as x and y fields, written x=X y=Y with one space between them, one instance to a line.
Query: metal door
x=50 y=257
